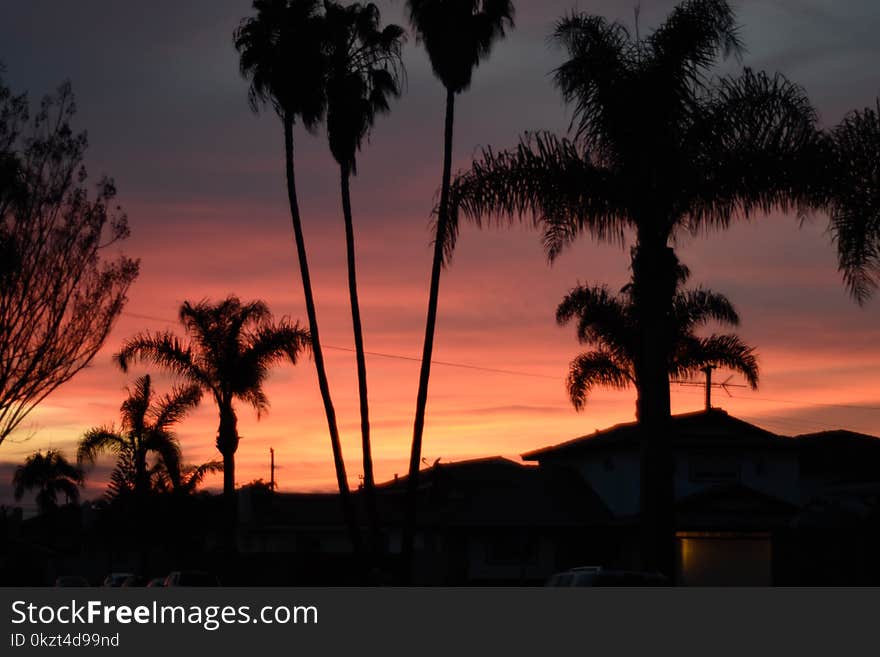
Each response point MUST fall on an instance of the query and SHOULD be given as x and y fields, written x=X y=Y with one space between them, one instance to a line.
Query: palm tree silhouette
x=854 y=200
x=230 y=350
x=51 y=475
x=363 y=74
x=609 y=323
x=656 y=149
x=282 y=53
x=458 y=35
x=146 y=430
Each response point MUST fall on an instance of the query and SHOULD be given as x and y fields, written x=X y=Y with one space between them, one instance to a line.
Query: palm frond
x=194 y=475
x=692 y=37
x=134 y=408
x=99 y=440
x=547 y=180
x=256 y=398
x=725 y=350
x=122 y=478
x=174 y=406
x=756 y=147
x=855 y=201
x=593 y=369
x=603 y=319
x=273 y=342
x=166 y=351
x=601 y=58
x=693 y=308
x=165 y=445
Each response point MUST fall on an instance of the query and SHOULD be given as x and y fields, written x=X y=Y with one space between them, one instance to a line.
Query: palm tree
x=51 y=475
x=363 y=74
x=230 y=350
x=854 y=200
x=282 y=53
x=656 y=148
x=147 y=430
x=458 y=35
x=609 y=324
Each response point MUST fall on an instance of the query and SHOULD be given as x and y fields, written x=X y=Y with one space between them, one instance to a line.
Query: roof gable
x=712 y=428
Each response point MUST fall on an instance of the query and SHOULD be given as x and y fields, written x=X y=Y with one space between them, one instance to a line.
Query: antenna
x=709 y=384
x=708 y=370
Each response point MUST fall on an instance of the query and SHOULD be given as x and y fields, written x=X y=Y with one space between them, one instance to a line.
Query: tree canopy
x=609 y=324
x=61 y=289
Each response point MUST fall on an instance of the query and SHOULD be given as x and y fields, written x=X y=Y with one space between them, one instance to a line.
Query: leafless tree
x=60 y=289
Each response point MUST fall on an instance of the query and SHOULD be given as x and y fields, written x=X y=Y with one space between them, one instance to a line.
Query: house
x=744 y=496
x=496 y=521
x=710 y=448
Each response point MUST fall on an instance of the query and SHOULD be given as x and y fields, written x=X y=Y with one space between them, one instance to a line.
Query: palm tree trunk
x=369 y=482
x=141 y=485
x=227 y=445
x=317 y=353
x=654 y=266
x=415 y=458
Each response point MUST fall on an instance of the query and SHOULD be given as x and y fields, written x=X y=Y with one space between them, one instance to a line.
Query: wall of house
x=773 y=472
x=614 y=473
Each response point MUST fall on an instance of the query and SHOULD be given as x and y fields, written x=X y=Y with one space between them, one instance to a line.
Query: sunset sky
x=202 y=180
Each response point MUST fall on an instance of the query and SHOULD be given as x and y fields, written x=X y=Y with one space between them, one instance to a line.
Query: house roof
x=712 y=428
x=838 y=438
x=496 y=491
x=847 y=455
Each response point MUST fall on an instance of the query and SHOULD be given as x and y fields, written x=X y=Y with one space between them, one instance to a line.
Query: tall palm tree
x=458 y=35
x=282 y=53
x=146 y=430
x=655 y=149
x=609 y=324
x=230 y=349
x=363 y=75
x=51 y=475
x=854 y=200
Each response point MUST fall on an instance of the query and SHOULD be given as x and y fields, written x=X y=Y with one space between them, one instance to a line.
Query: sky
x=202 y=181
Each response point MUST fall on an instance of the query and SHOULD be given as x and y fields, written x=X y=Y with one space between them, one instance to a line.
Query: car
x=191 y=578
x=116 y=579
x=156 y=582
x=71 y=581
x=599 y=576
x=135 y=580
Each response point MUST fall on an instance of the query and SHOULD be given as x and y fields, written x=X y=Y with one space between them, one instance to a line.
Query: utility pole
x=272 y=469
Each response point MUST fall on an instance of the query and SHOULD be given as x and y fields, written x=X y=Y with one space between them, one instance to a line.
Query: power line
x=533 y=375
x=378 y=354
x=790 y=401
